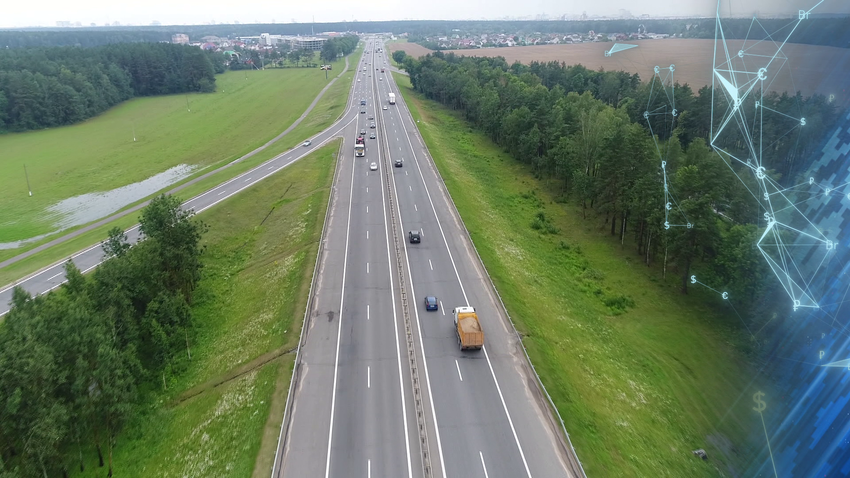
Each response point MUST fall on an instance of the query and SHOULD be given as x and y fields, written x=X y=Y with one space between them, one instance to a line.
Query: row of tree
x=586 y=130
x=72 y=361
x=47 y=87
x=338 y=46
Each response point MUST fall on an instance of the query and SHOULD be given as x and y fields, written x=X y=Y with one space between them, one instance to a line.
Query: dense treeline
x=339 y=46
x=72 y=361
x=46 y=87
x=819 y=30
x=585 y=130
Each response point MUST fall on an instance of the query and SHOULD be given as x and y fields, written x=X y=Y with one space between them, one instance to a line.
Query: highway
x=484 y=415
x=381 y=388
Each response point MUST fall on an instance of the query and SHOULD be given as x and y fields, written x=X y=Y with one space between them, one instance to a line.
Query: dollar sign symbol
x=760 y=405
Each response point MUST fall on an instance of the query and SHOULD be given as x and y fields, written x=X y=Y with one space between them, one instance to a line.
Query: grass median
x=327 y=110
x=641 y=375
x=221 y=415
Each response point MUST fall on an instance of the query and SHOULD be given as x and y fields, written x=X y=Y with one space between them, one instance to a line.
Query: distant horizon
x=82 y=26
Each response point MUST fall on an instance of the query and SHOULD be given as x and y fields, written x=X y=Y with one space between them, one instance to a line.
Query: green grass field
x=247 y=109
x=227 y=405
x=638 y=390
x=328 y=109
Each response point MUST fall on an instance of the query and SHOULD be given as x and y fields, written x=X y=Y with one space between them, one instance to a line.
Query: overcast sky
x=17 y=13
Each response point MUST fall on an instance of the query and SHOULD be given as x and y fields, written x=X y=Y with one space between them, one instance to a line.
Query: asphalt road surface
x=485 y=415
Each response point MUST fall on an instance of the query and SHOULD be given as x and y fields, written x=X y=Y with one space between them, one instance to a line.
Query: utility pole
x=187 y=104
x=134 y=131
x=28 y=179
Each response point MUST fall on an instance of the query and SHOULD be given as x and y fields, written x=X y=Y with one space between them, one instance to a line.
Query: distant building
x=63 y=24
x=180 y=38
x=295 y=42
x=308 y=43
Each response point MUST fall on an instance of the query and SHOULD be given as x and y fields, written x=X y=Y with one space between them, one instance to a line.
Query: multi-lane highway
x=381 y=388
x=483 y=413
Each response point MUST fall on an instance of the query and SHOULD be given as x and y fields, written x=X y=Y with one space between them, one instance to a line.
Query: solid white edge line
x=483 y=465
x=339 y=330
x=466 y=299
x=395 y=313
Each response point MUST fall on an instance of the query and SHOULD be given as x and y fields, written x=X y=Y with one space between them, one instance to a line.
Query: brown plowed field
x=809 y=69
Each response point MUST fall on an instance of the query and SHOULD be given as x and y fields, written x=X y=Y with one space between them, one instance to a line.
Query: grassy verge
x=327 y=110
x=247 y=109
x=226 y=406
x=641 y=375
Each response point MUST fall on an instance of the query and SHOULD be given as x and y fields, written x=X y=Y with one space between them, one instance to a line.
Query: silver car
x=373 y=166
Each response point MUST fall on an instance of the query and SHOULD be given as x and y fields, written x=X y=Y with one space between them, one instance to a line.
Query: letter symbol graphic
x=821 y=354
x=669 y=206
x=693 y=279
x=725 y=295
x=804 y=15
x=802 y=121
x=666 y=225
x=760 y=405
x=675 y=112
x=811 y=181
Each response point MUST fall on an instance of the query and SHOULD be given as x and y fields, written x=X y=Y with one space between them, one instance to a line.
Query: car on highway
x=372 y=125
x=372 y=136
x=362 y=132
x=381 y=78
x=373 y=166
x=358 y=79
x=431 y=303
x=306 y=143
x=414 y=237
x=371 y=118
x=385 y=106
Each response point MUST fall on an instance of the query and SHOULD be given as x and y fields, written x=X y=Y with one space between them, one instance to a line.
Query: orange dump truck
x=469 y=333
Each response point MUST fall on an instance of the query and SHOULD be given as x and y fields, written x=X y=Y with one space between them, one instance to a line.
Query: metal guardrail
x=296 y=367
x=493 y=286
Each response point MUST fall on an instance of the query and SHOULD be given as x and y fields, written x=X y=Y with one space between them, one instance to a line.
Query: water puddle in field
x=90 y=207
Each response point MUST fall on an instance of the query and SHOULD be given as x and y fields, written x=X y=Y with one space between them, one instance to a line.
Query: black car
x=362 y=112
x=371 y=118
x=431 y=303
x=398 y=163
x=414 y=237
x=372 y=136
x=372 y=125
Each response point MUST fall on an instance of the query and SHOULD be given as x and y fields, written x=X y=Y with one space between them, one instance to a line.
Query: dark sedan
x=431 y=303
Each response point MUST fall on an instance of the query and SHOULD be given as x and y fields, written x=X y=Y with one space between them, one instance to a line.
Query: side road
x=137 y=207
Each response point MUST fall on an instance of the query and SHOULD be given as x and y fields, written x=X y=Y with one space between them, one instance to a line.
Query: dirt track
x=809 y=69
